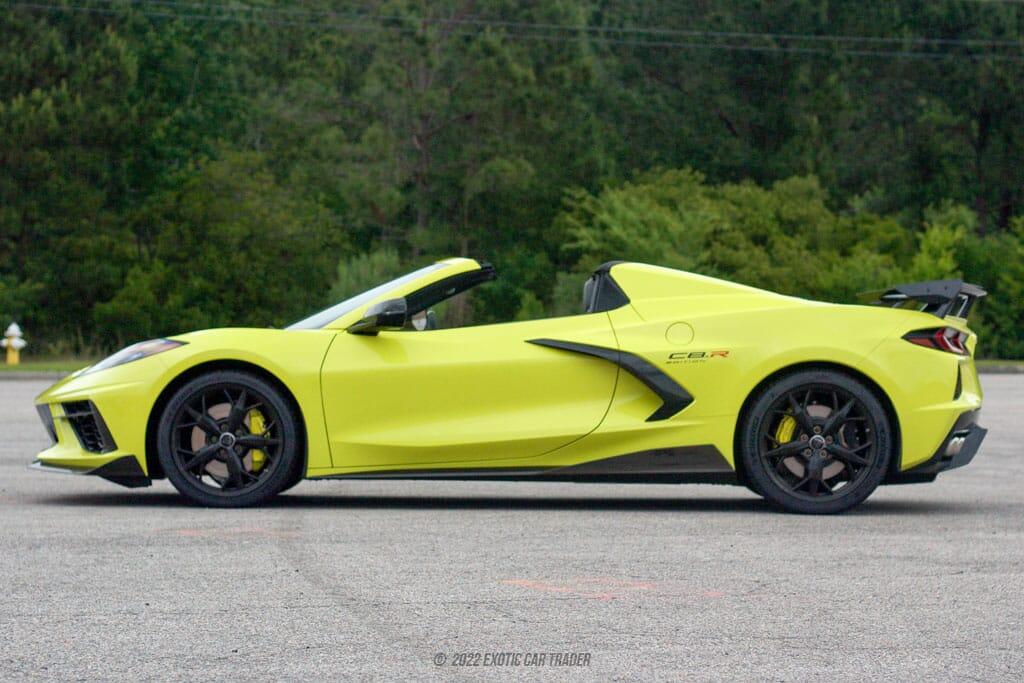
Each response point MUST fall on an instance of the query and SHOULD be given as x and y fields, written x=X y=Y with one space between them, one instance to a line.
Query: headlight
x=135 y=352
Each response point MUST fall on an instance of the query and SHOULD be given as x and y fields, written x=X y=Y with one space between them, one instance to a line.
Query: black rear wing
x=938 y=297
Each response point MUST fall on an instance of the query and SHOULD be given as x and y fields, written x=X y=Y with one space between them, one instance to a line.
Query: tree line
x=171 y=165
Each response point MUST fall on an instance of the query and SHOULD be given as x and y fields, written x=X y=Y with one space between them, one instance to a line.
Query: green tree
x=783 y=238
x=359 y=273
x=235 y=248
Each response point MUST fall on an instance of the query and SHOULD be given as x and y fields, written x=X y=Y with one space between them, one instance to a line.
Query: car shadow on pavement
x=151 y=499
x=479 y=502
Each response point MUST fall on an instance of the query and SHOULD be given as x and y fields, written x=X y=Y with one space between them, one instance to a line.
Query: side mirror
x=391 y=314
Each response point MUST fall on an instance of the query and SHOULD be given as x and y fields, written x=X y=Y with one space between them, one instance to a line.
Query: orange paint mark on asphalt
x=557 y=589
x=580 y=587
x=630 y=585
x=537 y=585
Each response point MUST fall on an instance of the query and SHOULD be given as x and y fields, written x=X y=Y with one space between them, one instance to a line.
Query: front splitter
x=125 y=471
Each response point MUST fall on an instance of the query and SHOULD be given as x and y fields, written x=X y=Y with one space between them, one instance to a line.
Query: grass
x=45 y=365
x=996 y=363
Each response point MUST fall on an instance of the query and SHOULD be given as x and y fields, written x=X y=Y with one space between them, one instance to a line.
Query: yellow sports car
x=664 y=376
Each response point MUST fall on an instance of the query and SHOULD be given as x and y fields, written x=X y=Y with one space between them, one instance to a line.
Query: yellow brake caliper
x=257 y=426
x=784 y=434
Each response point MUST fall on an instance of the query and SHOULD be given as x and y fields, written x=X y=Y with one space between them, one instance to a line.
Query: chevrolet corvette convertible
x=664 y=376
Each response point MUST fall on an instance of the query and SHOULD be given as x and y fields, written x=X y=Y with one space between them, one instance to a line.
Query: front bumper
x=125 y=471
x=957 y=449
x=82 y=443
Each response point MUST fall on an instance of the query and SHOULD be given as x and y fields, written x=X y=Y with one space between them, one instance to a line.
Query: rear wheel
x=816 y=442
x=229 y=439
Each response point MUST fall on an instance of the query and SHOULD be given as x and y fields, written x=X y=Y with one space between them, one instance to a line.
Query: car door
x=462 y=398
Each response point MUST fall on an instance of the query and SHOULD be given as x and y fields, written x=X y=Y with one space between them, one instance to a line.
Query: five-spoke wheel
x=228 y=439
x=816 y=441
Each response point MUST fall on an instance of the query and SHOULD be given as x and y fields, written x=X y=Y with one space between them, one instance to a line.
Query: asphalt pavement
x=353 y=581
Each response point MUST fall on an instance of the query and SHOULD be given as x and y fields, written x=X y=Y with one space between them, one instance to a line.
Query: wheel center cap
x=227 y=440
x=817 y=442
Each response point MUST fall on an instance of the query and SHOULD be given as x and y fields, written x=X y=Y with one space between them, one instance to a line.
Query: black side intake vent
x=89 y=427
x=47 y=417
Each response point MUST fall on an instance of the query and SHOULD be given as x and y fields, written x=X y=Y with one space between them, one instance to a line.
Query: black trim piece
x=957 y=449
x=684 y=465
x=653 y=463
x=88 y=426
x=436 y=292
x=125 y=471
x=46 y=415
x=938 y=297
x=601 y=292
x=390 y=314
x=674 y=397
x=498 y=473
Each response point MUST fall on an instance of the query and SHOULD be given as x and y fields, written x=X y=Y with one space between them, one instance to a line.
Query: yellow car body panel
x=126 y=395
x=463 y=397
x=776 y=332
x=535 y=396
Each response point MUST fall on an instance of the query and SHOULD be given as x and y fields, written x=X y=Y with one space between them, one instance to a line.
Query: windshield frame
x=325 y=317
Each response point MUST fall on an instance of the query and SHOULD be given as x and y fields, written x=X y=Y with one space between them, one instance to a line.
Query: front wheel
x=816 y=442
x=229 y=439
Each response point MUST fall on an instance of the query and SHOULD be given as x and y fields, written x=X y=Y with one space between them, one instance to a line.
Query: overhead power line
x=660 y=32
x=548 y=32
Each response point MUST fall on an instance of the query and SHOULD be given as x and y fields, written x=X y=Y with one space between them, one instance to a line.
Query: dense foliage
x=172 y=165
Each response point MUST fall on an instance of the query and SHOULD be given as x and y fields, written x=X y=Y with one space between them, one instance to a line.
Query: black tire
x=229 y=439
x=752 y=488
x=816 y=442
x=298 y=474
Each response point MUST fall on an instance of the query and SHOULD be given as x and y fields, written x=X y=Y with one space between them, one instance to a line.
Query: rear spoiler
x=938 y=297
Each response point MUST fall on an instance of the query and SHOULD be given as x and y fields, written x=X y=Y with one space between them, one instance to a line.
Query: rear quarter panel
x=731 y=352
x=922 y=385
x=721 y=341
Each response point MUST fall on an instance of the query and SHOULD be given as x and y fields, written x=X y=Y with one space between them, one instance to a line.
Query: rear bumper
x=957 y=449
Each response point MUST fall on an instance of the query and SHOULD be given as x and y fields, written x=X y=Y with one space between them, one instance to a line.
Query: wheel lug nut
x=804 y=437
x=807 y=452
x=817 y=430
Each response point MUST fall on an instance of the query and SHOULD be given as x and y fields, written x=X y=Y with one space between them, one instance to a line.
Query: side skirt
x=683 y=465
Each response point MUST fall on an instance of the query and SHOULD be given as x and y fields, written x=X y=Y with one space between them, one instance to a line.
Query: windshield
x=329 y=315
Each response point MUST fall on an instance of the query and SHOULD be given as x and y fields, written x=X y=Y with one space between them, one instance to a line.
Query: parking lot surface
x=510 y=581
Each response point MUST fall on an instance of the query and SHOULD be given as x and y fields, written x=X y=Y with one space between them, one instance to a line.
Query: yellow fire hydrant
x=14 y=343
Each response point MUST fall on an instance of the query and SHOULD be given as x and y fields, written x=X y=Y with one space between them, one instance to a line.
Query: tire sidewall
x=762 y=481
x=284 y=470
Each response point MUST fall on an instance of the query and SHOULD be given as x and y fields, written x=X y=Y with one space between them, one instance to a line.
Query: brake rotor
x=784 y=434
x=252 y=461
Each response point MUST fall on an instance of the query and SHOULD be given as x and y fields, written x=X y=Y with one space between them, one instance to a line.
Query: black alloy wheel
x=229 y=439
x=816 y=442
